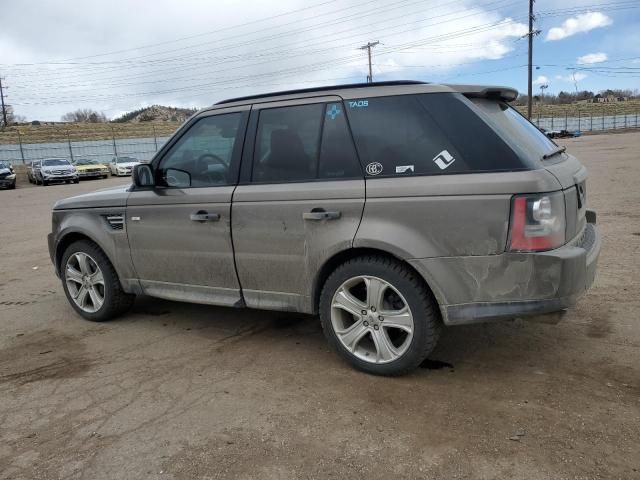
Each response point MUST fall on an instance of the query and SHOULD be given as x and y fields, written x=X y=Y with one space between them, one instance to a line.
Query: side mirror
x=177 y=178
x=142 y=175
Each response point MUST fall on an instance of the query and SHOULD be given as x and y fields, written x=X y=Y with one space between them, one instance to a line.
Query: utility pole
x=368 y=48
x=530 y=34
x=542 y=89
x=4 y=108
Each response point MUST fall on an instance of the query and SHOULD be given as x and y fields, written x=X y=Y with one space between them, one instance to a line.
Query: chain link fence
x=101 y=142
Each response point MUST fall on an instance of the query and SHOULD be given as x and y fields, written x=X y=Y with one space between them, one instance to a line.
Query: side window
x=395 y=136
x=287 y=143
x=436 y=133
x=304 y=143
x=338 y=158
x=202 y=156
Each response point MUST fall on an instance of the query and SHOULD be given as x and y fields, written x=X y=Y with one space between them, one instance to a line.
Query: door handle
x=318 y=214
x=202 y=216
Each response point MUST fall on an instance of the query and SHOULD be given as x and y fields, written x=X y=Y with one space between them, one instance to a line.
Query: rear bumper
x=481 y=288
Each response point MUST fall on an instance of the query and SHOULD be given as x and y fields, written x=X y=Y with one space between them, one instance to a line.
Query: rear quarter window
x=427 y=134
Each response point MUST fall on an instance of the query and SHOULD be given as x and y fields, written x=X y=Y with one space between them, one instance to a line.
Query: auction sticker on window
x=405 y=169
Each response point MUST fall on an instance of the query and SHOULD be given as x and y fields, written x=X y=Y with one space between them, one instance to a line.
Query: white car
x=122 y=165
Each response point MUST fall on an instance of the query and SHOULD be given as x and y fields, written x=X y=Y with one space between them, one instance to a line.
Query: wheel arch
x=337 y=259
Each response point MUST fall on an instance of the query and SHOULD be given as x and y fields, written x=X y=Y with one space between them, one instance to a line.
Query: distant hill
x=156 y=113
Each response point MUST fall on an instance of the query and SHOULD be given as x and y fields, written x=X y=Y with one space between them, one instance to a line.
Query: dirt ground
x=185 y=391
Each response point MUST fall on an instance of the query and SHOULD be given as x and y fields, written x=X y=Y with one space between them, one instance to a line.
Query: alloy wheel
x=371 y=319
x=85 y=282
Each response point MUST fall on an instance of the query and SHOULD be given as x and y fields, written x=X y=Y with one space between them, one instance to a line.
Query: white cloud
x=593 y=58
x=541 y=80
x=570 y=78
x=206 y=51
x=580 y=23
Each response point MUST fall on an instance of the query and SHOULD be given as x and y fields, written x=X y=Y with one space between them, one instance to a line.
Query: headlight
x=11 y=177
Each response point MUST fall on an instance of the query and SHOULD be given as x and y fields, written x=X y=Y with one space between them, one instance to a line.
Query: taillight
x=537 y=222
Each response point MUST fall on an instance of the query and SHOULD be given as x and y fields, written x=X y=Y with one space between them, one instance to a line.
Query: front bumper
x=8 y=181
x=98 y=174
x=60 y=178
x=480 y=288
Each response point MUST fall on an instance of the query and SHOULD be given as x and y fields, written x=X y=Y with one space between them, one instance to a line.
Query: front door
x=301 y=201
x=180 y=231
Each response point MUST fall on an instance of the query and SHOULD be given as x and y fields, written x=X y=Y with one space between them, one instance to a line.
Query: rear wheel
x=91 y=283
x=379 y=315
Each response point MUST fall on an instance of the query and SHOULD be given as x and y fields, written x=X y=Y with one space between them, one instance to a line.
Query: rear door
x=180 y=232
x=299 y=202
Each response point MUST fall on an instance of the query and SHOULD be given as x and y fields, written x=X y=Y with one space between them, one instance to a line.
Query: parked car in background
x=53 y=170
x=7 y=175
x=31 y=170
x=88 y=168
x=122 y=165
x=389 y=209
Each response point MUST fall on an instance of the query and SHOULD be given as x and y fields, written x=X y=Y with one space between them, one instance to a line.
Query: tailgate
x=572 y=175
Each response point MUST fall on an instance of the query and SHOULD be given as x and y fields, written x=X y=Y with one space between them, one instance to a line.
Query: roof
x=356 y=90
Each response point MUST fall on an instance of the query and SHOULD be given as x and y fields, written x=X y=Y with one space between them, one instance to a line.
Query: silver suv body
x=389 y=209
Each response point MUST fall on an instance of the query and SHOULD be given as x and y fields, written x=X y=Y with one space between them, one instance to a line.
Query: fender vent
x=115 y=220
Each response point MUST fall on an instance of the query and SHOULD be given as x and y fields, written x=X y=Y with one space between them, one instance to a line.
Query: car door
x=299 y=202
x=180 y=232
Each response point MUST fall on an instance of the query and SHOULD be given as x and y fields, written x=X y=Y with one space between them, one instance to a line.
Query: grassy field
x=106 y=131
x=585 y=109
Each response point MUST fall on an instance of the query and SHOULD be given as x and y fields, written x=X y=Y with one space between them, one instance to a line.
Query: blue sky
x=117 y=55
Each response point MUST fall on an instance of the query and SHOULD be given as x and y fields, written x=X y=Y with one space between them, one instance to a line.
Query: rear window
x=522 y=135
x=426 y=134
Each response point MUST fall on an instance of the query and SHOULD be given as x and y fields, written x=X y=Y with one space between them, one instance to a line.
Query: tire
x=12 y=186
x=403 y=288
x=104 y=176
x=44 y=182
x=115 y=300
x=76 y=181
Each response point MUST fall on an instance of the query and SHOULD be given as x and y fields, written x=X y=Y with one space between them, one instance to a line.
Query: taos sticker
x=359 y=103
x=444 y=159
x=405 y=169
x=374 y=168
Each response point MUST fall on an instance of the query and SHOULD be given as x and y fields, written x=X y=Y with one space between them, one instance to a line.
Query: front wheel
x=91 y=283
x=379 y=315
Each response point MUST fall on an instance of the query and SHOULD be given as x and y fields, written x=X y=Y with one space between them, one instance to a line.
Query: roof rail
x=322 y=89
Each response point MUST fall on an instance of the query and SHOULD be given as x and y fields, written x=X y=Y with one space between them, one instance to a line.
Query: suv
x=55 y=170
x=390 y=209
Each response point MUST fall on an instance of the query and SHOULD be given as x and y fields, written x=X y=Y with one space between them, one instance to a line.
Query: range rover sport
x=389 y=209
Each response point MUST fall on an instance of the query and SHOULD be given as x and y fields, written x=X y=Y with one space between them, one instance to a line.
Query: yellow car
x=90 y=168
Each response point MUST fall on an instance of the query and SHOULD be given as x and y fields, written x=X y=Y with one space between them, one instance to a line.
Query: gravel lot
x=185 y=391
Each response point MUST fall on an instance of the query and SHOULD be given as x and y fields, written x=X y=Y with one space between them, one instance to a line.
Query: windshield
x=54 y=162
x=84 y=161
x=125 y=160
x=4 y=165
x=522 y=135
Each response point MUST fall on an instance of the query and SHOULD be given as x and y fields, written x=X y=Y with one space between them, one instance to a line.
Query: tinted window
x=338 y=157
x=424 y=135
x=287 y=143
x=204 y=152
x=304 y=143
x=519 y=132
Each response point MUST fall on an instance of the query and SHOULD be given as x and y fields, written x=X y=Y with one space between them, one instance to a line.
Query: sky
x=120 y=55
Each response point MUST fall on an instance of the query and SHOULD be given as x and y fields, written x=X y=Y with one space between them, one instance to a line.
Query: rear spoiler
x=478 y=91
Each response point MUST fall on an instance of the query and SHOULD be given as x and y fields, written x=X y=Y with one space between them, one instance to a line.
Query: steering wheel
x=202 y=168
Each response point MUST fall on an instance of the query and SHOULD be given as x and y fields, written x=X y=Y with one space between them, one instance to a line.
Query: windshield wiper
x=554 y=152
